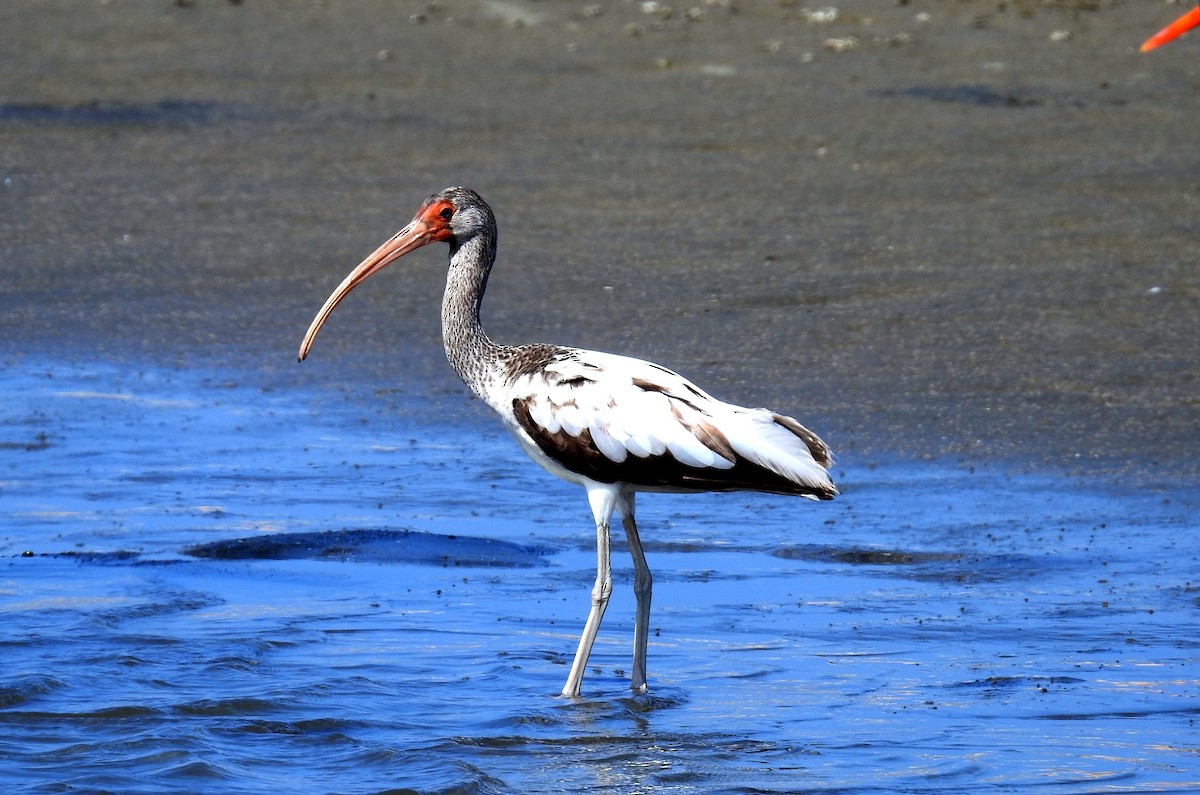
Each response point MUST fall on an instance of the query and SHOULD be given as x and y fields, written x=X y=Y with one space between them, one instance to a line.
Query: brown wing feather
x=820 y=451
x=581 y=455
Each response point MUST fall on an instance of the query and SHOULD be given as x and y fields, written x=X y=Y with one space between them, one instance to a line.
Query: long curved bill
x=416 y=234
x=1176 y=29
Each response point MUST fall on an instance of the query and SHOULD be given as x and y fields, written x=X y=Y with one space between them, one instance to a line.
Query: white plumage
x=633 y=408
x=613 y=424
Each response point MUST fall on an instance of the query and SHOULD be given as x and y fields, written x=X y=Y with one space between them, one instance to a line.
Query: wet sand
x=970 y=235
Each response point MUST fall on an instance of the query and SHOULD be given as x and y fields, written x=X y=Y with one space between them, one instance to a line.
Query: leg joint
x=603 y=590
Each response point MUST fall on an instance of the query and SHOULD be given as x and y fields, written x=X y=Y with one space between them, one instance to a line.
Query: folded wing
x=617 y=419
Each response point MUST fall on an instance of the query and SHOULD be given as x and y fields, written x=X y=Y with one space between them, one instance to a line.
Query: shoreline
x=399 y=414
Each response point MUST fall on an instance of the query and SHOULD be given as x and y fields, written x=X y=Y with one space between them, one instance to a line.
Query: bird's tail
x=782 y=445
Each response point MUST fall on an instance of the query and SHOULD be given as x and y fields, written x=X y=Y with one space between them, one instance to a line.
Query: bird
x=1173 y=31
x=613 y=424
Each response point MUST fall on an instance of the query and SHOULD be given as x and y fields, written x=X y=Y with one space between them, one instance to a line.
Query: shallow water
x=936 y=629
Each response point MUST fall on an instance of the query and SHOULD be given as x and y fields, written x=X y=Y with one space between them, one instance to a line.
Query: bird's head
x=454 y=216
x=463 y=211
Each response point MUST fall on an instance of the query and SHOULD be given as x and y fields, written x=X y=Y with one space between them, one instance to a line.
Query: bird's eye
x=447 y=213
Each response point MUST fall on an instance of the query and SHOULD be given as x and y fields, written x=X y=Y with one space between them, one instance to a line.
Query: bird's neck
x=470 y=351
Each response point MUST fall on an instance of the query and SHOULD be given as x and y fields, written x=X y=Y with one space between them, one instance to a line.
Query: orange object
x=1177 y=28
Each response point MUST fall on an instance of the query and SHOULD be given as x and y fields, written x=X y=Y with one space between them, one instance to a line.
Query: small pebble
x=840 y=45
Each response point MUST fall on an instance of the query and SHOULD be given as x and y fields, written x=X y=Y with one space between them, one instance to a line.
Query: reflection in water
x=408 y=614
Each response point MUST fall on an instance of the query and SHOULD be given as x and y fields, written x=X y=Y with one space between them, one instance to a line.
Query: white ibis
x=613 y=424
x=1173 y=31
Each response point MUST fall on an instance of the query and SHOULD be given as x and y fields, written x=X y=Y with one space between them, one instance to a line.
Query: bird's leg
x=602 y=498
x=642 y=585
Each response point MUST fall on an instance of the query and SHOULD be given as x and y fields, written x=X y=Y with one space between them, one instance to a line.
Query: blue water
x=939 y=628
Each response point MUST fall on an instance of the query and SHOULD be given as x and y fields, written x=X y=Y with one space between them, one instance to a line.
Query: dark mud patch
x=376 y=546
x=111 y=557
x=954 y=567
x=866 y=557
x=158 y=113
x=980 y=96
x=998 y=685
